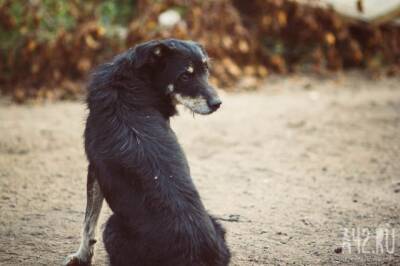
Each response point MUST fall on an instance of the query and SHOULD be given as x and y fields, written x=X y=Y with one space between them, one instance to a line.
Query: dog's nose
x=214 y=103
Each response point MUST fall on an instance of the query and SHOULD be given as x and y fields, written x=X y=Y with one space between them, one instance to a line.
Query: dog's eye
x=184 y=77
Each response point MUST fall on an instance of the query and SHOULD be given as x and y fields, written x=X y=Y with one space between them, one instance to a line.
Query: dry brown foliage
x=244 y=38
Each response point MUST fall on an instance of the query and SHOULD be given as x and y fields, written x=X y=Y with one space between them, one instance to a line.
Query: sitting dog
x=137 y=164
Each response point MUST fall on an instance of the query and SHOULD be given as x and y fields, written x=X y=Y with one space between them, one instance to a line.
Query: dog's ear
x=201 y=48
x=202 y=51
x=150 y=53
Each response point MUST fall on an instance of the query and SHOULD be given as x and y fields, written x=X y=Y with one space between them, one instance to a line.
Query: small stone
x=338 y=250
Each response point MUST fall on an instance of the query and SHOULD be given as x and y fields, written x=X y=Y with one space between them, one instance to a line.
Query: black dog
x=137 y=164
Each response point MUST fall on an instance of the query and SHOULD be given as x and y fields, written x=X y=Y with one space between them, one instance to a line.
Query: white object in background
x=373 y=10
x=169 y=18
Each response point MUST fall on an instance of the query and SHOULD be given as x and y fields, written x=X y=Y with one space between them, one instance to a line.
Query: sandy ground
x=296 y=171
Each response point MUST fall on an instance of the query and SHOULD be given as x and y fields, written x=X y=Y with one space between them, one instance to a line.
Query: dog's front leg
x=93 y=207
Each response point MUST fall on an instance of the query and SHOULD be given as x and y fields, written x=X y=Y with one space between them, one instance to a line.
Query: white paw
x=77 y=260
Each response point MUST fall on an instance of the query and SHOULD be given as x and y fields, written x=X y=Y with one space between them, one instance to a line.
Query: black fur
x=158 y=217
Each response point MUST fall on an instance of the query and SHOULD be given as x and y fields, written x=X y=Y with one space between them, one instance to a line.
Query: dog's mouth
x=199 y=104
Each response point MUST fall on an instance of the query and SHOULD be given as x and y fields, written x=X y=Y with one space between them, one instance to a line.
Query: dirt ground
x=305 y=171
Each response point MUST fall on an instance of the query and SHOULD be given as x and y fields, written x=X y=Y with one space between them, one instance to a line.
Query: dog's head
x=179 y=69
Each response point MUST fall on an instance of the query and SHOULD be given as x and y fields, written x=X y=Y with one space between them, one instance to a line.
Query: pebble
x=338 y=250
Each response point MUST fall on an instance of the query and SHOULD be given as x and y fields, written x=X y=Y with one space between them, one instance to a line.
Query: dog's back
x=158 y=218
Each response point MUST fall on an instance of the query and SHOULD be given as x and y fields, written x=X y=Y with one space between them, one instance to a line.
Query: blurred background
x=48 y=47
x=301 y=163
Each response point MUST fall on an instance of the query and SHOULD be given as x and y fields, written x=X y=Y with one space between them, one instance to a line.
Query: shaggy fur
x=158 y=217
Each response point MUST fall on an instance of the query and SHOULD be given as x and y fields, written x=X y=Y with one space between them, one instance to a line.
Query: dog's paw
x=76 y=260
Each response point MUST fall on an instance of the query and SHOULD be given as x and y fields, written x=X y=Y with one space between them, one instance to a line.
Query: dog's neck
x=158 y=96
x=166 y=106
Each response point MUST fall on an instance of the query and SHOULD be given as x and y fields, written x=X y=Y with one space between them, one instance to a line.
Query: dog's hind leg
x=119 y=243
x=93 y=207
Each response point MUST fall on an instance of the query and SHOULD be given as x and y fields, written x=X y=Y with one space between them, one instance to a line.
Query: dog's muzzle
x=214 y=103
x=199 y=104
